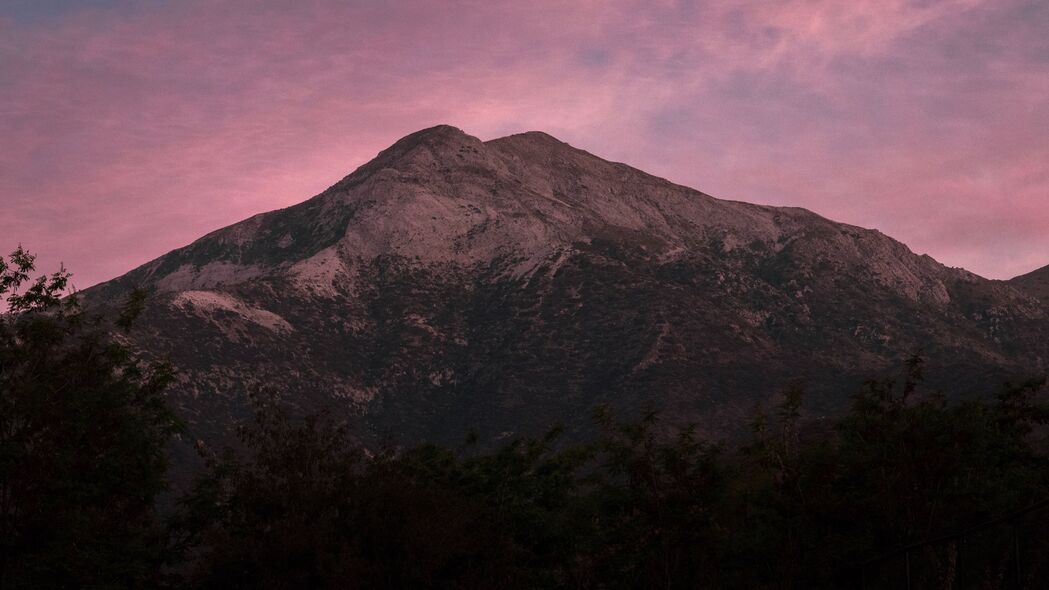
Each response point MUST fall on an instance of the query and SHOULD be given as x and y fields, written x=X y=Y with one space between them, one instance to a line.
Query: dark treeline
x=800 y=504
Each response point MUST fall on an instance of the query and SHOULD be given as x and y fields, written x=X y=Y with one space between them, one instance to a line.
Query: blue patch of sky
x=42 y=12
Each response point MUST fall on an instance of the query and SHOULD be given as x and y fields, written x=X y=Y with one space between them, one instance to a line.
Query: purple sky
x=129 y=129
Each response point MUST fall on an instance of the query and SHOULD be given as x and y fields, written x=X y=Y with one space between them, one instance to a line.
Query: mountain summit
x=452 y=284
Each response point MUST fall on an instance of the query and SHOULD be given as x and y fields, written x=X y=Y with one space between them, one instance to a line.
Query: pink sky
x=129 y=129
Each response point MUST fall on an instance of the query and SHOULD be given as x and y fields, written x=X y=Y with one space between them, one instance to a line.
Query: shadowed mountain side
x=453 y=284
x=1036 y=283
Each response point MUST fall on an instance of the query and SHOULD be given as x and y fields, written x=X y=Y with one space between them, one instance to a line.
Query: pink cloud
x=131 y=132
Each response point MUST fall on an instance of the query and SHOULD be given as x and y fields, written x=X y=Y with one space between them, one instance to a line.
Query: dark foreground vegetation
x=905 y=481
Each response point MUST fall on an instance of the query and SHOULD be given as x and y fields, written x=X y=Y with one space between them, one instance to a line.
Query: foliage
x=306 y=508
x=659 y=503
x=902 y=466
x=83 y=429
x=800 y=505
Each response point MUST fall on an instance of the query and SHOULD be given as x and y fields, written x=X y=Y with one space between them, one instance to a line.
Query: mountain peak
x=438 y=137
x=536 y=136
x=437 y=133
x=1035 y=282
x=1037 y=273
x=533 y=141
x=442 y=196
x=452 y=283
x=432 y=148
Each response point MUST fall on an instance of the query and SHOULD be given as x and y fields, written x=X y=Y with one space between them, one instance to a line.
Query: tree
x=801 y=505
x=815 y=502
x=659 y=501
x=83 y=432
x=302 y=505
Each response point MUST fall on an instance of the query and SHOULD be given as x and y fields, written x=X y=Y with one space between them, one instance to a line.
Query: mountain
x=452 y=284
x=1035 y=283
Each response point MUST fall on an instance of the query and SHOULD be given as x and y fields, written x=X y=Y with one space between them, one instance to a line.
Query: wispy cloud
x=130 y=129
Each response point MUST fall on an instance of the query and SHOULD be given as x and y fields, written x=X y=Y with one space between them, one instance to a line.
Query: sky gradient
x=128 y=129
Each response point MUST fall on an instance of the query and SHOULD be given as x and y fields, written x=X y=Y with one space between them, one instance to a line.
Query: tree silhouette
x=83 y=429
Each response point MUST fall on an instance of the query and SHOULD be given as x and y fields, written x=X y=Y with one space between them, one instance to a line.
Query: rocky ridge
x=453 y=284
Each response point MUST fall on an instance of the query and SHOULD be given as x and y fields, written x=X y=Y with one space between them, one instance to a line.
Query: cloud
x=131 y=129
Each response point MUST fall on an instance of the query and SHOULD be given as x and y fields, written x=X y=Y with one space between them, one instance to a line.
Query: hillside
x=1035 y=283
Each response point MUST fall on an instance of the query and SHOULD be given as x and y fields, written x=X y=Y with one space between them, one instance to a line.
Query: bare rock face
x=453 y=284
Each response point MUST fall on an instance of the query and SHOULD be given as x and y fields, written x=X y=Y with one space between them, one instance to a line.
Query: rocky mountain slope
x=453 y=284
x=1035 y=283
